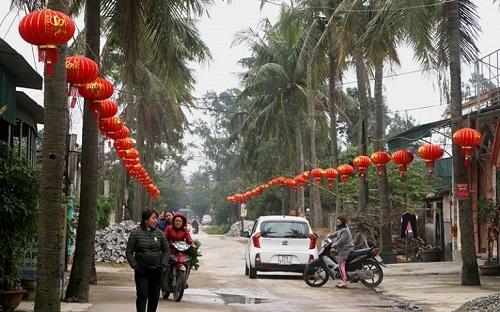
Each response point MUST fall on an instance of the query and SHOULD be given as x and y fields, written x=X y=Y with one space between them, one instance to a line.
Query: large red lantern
x=79 y=71
x=362 y=163
x=123 y=133
x=131 y=161
x=107 y=109
x=429 y=153
x=345 y=171
x=98 y=90
x=402 y=158
x=123 y=144
x=467 y=138
x=47 y=29
x=112 y=124
x=317 y=174
x=380 y=159
x=131 y=153
x=330 y=174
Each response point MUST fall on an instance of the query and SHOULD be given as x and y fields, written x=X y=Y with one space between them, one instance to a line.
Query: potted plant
x=19 y=189
x=489 y=215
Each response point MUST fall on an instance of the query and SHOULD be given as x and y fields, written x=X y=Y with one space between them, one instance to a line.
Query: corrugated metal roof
x=26 y=76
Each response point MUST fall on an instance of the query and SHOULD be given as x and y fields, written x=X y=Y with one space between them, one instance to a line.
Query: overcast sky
x=408 y=91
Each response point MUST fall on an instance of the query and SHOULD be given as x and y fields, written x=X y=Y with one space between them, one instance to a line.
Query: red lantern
x=98 y=90
x=131 y=161
x=128 y=154
x=330 y=174
x=112 y=124
x=362 y=162
x=107 y=109
x=79 y=71
x=467 y=138
x=300 y=180
x=317 y=174
x=380 y=159
x=345 y=171
x=123 y=133
x=402 y=158
x=123 y=144
x=47 y=29
x=305 y=175
x=291 y=183
x=429 y=153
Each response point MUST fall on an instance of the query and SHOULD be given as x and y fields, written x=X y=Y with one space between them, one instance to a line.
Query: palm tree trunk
x=53 y=154
x=363 y=130
x=82 y=271
x=332 y=99
x=311 y=126
x=382 y=182
x=470 y=274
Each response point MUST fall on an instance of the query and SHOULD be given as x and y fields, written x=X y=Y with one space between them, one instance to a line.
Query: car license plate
x=284 y=260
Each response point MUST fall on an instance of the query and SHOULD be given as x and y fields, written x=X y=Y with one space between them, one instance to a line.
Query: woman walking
x=147 y=253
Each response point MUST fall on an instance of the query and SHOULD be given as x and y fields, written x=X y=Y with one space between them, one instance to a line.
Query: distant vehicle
x=279 y=243
x=187 y=213
x=206 y=220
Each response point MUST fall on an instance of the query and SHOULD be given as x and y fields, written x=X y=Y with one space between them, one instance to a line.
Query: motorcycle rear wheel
x=315 y=276
x=376 y=269
x=178 y=285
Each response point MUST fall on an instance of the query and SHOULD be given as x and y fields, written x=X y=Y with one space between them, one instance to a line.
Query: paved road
x=220 y=285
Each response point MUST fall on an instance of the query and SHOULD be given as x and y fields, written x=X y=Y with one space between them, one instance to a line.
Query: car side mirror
x=245 y=234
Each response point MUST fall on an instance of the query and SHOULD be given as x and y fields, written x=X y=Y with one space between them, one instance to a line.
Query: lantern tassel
x=430 y=174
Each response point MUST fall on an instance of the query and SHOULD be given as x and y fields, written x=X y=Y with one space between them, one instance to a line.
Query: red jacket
x=178 y=234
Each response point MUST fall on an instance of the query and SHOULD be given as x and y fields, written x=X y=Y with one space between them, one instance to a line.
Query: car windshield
x=284 y=229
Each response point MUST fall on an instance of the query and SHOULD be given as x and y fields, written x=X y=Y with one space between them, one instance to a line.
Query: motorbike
x=195 y=229
x=363 y=265
x=175 y=277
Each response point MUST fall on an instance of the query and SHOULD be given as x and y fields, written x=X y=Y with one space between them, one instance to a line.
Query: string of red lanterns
x=466 y=137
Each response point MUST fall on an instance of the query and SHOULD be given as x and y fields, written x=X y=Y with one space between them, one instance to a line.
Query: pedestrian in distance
x=162 y=221
x=344 y=245
x=169 y=216
x=147 y=253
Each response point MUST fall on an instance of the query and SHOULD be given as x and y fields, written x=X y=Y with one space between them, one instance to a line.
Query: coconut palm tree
x=454 y=24
x=276 y=86
x=53 y=164
x=158 y=31
x=83 y=269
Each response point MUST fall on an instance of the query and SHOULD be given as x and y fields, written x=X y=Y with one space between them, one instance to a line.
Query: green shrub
x=19 y=192
x=217 y=229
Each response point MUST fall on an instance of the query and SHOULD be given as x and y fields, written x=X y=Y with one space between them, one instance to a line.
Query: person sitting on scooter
x=344 y=245
x=178 y=231
x=195 y=225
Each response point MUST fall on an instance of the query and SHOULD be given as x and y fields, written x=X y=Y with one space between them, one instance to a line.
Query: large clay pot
x=9 y=300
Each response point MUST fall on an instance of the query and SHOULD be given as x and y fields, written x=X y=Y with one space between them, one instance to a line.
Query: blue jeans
x=147 y=285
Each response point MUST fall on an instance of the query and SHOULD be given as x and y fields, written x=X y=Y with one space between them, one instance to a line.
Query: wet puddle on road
x=231 y=299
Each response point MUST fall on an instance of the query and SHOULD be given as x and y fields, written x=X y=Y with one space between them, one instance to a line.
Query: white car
x=206 y=220
x=279 y=243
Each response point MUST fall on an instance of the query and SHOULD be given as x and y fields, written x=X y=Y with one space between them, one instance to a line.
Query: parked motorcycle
x=363 y=265
x=176 y=276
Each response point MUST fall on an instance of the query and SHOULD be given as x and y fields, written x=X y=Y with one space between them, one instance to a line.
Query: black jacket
x=147 y=248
